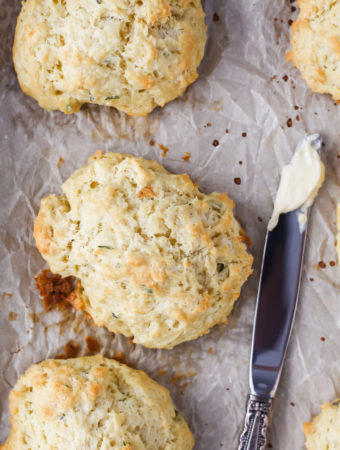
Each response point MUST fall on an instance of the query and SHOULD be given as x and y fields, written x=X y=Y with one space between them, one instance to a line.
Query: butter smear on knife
x=300 y=182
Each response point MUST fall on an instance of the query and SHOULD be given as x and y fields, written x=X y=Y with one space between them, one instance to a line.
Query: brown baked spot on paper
x=12 y=316
x=53 y=289
x=71 y=349
x=93 y=346
x=34 y=317
x=60 y=162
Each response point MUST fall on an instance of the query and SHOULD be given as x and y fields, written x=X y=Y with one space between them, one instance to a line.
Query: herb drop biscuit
x=323 y=432
x=93 y=403
x=156 y=258
x=315 y=45
x=130 y=54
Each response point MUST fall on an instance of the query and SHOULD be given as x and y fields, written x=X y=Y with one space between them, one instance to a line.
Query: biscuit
x=323 y=432
x=93 y=402
x=315 y=45
x=130 y=54
x=157 y=259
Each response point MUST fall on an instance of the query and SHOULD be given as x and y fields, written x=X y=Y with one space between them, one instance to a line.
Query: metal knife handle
x=253 y=436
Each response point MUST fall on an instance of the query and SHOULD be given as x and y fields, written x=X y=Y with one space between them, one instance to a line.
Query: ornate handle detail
x=256 y=422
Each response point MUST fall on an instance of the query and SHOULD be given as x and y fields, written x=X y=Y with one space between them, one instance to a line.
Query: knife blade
x=276 y=304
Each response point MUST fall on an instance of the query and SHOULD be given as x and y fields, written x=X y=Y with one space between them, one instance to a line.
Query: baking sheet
x=245 y=86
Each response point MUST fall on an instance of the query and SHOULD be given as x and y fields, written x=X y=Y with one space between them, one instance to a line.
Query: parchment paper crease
x=240 y=89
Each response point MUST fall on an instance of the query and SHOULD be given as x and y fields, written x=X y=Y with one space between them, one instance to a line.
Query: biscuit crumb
x=164 y=150
x=177 y=379
x=186 y=156
x=53 y=290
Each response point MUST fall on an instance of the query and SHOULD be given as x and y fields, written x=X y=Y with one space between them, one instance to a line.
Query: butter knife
x=275 y=310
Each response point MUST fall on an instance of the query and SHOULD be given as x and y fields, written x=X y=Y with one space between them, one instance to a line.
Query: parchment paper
x=240 y=89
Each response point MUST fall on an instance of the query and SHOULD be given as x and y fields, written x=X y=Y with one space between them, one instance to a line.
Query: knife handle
x=253 y=436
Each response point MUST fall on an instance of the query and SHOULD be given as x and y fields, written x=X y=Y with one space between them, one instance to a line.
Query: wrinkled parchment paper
x=245 y=86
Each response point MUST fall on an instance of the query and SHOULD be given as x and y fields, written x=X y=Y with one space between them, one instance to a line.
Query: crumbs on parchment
x=54 y=289
x=164 y=150
x=93 y=345
x=186 y=156
x=71 y=350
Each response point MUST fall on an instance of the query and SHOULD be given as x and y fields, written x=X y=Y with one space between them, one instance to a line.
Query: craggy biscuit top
x=157 y=259
x=315 y=45
x=131 y=54
x=93 y=403
x=323 y=432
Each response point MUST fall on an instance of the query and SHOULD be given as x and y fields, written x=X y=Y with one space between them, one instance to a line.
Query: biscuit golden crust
x=93 y=403
x=315 y=45
x=130 y=54
x=157 y=259
x=323 y=432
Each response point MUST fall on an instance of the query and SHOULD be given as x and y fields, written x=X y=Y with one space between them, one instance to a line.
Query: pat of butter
x=300 y=182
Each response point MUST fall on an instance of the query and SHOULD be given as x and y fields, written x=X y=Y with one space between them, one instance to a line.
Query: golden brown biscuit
x=315 y=45
x=93 y=403
x=130 y=54
x=157 y=259
x=323 y=432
